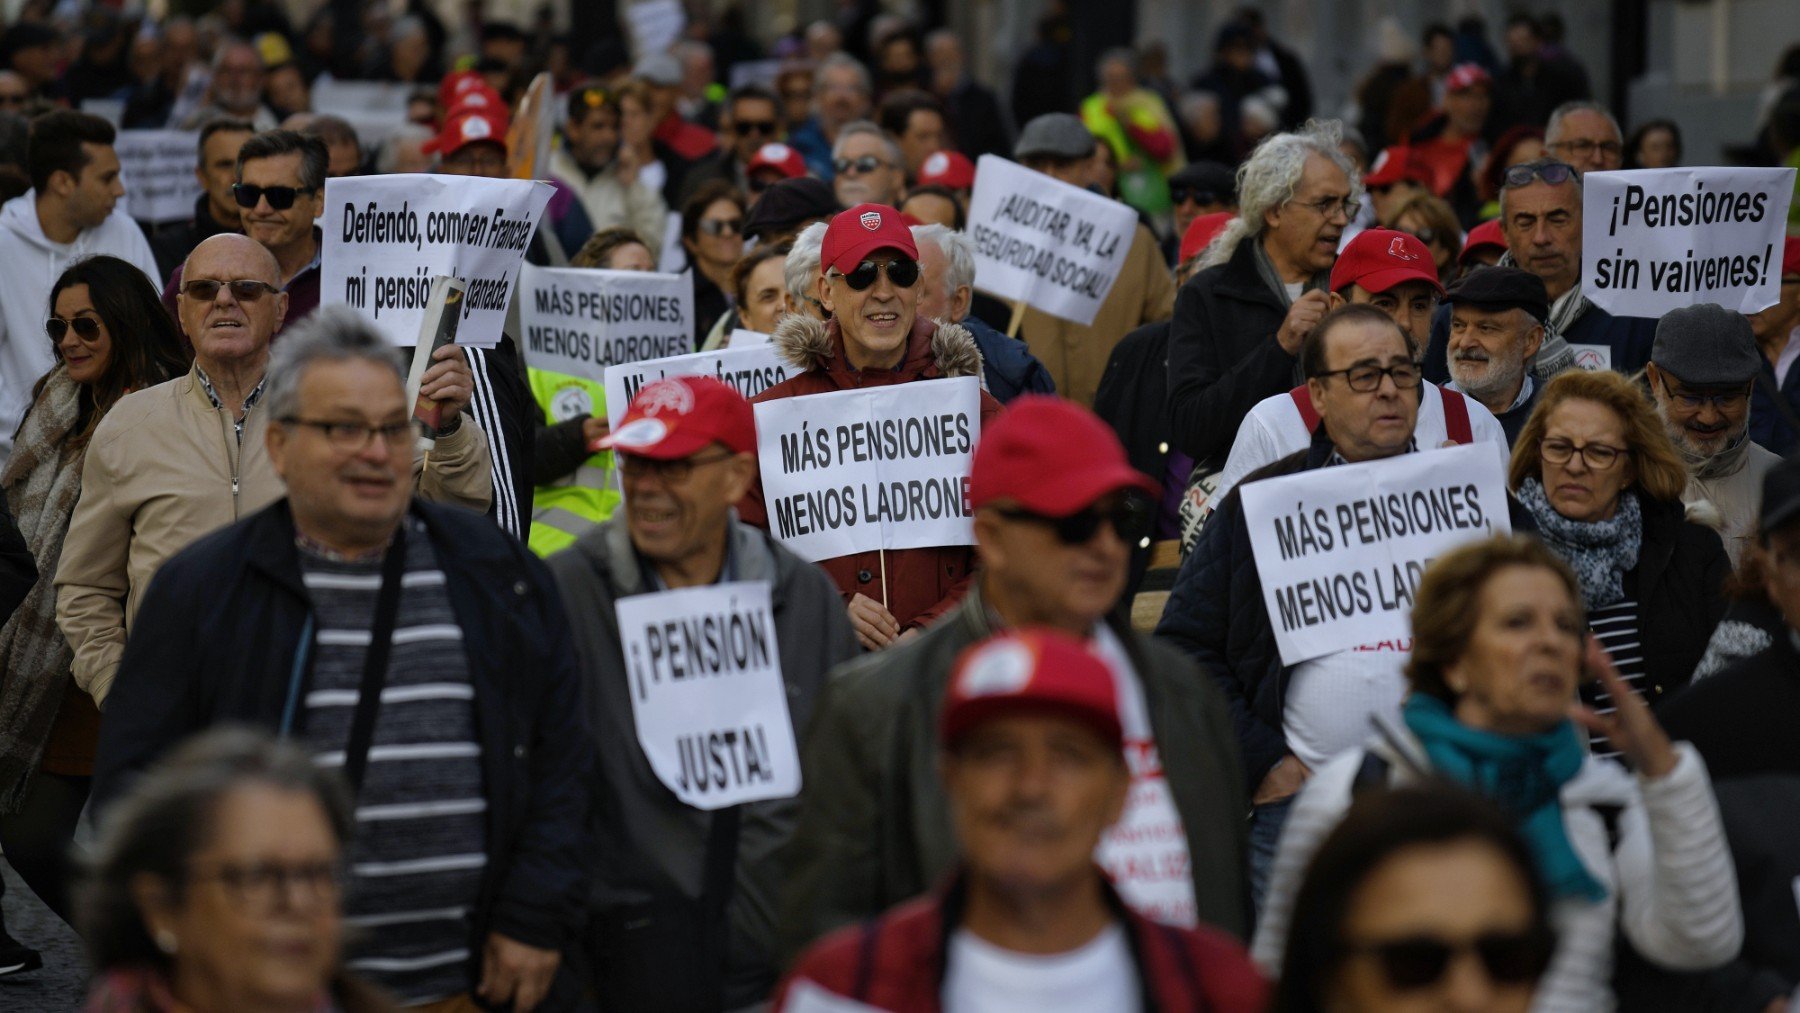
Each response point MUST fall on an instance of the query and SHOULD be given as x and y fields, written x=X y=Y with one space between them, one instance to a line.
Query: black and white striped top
x=421 y=832
x=1616 y=627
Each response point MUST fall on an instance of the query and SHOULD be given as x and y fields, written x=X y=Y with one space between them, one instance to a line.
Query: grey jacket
x=648 y=911
x=875 y=826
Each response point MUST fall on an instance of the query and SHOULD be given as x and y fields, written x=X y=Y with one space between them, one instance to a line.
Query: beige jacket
x=1076 y=355
x=164 y=468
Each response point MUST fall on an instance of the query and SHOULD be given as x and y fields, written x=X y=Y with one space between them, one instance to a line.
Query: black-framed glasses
x=263 y=887
x=1125 y=517
x=279 y=197
x=763 y=128
x=1326 y=207
x=635 y=468
x=1553 y=173
x=242 y=289
x=1718 y=402
x=1415 y=962
x=1180 y=194
x=354 y=437
x=85 y=328
x=1366 y=378
x=902 y=271
x=722 y=226
x=1583 y=147
x=859 y=166
x=1598 y=456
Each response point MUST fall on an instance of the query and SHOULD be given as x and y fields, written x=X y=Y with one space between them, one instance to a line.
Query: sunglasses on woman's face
x=1417 y=962
x=902 y=272
x=722 y=226
x=85 y=328
x=280 y=197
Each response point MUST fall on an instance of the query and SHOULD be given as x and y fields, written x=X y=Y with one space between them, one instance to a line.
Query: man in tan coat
x=181 y=459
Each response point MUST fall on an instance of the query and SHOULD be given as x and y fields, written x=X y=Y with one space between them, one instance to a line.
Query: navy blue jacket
x=1769 y=420
x=218 y=639
x=1007 y=364
x=1629 y=338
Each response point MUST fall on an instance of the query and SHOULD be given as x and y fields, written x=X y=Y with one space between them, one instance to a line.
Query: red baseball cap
x=1052 y=457
x=1201 y=232
x=947 y=168
x=455 y=84
x=680 y=416
x=1379 y=259
x=1394 y=165
x=1466 y=75
x=776 y=155
x=468 y=126
x=1790 y=257
x=1486 y=234
x=860 y=231
x=1034 y=670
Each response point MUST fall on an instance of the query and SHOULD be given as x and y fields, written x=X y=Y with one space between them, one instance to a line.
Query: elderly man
x=610 y=191
x=236 y=89
x=915 y=120
x=1701 y=370
x=1775 y=405
x=1586 y=136
x=686 y=450
x=1052 y=495
x=1263 y=286
x=947 y=258
x=452 y=709
x=875 y=336
x=1028 y=754
x=216 y=209
x=800 y=272
x=1496 y=325
x=173 y=462
x=842 y=93
x=868 y=166
x=1362 y=382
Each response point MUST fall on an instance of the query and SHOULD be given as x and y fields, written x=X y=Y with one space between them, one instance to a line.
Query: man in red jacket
x=1031 y=762
x=875 y=337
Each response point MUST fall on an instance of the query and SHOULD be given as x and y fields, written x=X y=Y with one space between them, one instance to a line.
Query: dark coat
x=1743 y=719
x=1133 y=400
x=172 y=243
x=1007 y=364
x=18 y=572
x=1679 y=584
x=507 y=412
x=186 y=669
x=1774 y=407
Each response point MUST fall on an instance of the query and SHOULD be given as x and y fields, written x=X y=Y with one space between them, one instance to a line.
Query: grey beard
x=1502 y=376
x=1704 y=466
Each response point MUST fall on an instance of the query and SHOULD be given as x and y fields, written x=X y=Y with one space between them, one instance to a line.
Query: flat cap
x=790 y=203
x=1220 y=179
x=1706 y=346
x=1500 y=288
x=1054 y=135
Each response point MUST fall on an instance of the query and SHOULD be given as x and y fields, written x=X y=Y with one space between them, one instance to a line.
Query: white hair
x=800 y=272
x=334 y=333
x=841 y=61
x=959 y=254
x=1553 y=127
x=1269 y=177
x=858 y=127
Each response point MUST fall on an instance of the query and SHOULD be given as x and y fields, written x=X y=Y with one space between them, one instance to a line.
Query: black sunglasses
x=243 y=289
x=86 y=328
x=722 y=226
x=1553 y=173
x=1415 y=962
x=1078 y=528
x=1179 y=194
x=902 y=272
x=766 y=128
x=280 y=197
x=858 y=166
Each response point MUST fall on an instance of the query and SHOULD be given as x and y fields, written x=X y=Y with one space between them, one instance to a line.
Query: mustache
x=1471 y=355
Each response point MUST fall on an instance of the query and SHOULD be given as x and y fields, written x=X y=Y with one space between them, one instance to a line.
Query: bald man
x=176 y=461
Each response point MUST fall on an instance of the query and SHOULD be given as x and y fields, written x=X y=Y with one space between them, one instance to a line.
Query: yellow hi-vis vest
x=563 y=511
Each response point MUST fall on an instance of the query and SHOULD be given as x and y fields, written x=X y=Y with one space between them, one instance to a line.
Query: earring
x=165 y=941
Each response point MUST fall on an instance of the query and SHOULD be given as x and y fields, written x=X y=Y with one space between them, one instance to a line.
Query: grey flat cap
x=659 y=69
x=1706 y=346
x=1054 y=135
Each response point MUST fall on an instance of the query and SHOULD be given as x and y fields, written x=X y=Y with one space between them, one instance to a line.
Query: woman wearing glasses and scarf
x=1499 y=647
x=110 y=337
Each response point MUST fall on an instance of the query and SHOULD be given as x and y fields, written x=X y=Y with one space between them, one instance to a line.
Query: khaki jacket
x=164 y=468
x=1076 y=355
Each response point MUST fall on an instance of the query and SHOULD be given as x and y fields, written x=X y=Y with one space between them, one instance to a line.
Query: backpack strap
x=1303 y=401
x=1456 y=416
x=1371 y=774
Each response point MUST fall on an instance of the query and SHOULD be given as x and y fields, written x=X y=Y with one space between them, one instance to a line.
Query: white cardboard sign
x=1038 y=240
x=1654 y=240
x=1340 y=550
x=579 y=321
x=387 y=236
x=876 y=468
x=156 y=168
x=750 y=370
x=743 y=338
x=707 y=693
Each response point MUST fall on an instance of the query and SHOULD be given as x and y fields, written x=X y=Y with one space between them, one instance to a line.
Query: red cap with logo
x=1394 y=165
x=947 y=168
x=1790 y=257
x=454 y=85
x=1201 y=232
x=860 y=231
x=1031 y=670
x=1466 y=75
x=1481 y=236
x=466 y=126
x=776 y=155
x=681 y=416
x=1379 y=259
x=1051 y=457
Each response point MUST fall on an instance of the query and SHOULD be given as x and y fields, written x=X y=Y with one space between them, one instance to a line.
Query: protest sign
x=1045 y=243
x=156 y=167
x=386 y=237
x=580 y=321
x=1592 y=358
x=703 y=671
x=1654 y=240
x=751 y=370
x=654 y=25
x=1340 y=550
x=876 y=468
x=376 y=109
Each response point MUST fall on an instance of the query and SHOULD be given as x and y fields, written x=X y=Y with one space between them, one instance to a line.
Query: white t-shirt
x=983 y=978
x=1330 y=701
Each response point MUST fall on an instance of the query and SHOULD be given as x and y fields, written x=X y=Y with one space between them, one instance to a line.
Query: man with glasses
x=751 y=118
x=679 y=913
x=414 y=647
x=610 y=191
x=867 y=166
x=841 y=95
x=186 y=457
x=1055 y=500
x=1701 y=372
x=1586 y=136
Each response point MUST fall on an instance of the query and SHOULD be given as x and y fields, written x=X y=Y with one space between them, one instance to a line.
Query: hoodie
x=29 y=266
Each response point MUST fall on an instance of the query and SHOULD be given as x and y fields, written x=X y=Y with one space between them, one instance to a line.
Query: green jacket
x=874 y=824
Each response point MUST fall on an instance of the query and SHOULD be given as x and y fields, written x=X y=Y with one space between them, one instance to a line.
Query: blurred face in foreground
x=1518 y=671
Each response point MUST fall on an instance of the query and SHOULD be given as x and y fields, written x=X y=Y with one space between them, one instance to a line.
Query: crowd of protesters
x=306 y=706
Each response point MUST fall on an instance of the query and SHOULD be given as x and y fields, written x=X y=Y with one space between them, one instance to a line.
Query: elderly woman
x=1498 y=648
x=215 y=886
x=1595 y=468
x=759 y=295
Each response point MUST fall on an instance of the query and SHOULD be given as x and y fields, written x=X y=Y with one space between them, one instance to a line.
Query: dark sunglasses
x=1079 y=528
x=1415 y=962
x=86 y=328
x=766 y=128
x=722 y=226
x=243 y=289
x=280 y=197
x=902 y=272
x=1553 y=173
x=1179 y=194
x=858 y=166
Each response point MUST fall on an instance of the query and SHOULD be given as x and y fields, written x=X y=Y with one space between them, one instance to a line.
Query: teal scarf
x=1525 y=774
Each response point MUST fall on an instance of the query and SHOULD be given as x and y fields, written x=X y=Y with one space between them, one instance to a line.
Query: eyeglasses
x=354 y=437
x=722 y=226
x=902 y=272
x=1597 y=456
x=1327 y=207
x=267 y=886
x=1125 y=517
x=1183 y=194
x=279 y=197
x=243 y=289
x=858 y=166
x=1364 y=379
x=1694 y=402
x=1416 y=962
x=1584 y=148
x=636 y=468
x=86 y=328
x=1553 y=173
x=765 y=128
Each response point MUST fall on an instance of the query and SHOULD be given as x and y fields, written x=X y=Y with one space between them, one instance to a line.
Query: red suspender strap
x=1303 y=401
x=1456 y=416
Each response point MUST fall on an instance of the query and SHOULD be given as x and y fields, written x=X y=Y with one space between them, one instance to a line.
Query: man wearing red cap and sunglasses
x=875 y=338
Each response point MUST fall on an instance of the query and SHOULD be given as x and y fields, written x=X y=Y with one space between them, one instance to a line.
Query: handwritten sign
x=156 y=168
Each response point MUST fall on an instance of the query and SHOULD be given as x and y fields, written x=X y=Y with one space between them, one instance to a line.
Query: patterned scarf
x=1600 y=552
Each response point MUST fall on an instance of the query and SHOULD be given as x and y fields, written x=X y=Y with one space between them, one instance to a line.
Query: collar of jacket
x=270 y=548
x=935 y=350
x=1241 y=280
x=614 y=554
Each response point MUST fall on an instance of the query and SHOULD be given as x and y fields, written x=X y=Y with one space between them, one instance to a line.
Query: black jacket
x=506 y=411
x=172 y=243
x=1742 y=720
x=1679 y=584
x=187 y=668
x=1223 y=356
x=18 y=572
x=1132 y=399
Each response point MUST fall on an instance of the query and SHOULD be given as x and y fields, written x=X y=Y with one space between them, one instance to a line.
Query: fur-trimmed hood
x=939 y=348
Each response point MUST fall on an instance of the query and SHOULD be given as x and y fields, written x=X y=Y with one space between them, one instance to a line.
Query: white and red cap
x=780 y=157
x=468 y=125
x=947 y=168
x=860 y=231
x=680 y=416
x=1466 y=75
